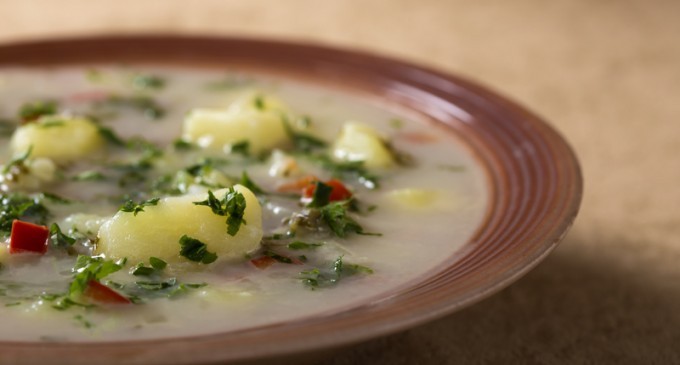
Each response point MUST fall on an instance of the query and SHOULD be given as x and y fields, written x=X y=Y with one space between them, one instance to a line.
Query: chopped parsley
x=148 y=106
x=258 y=101
x=348 y=169
x=135 y=208
x=90 y=268
x=341 y=224
x=89 y=175
x=110 y=136
x=278 y=257
x=303 y=142
x=317 y=278
x=299 y=245
x=148 y=82
x=196 y=250
x=321 y=196
x=18 y=164
x=36 y=109
x=241 y=147
x=250 y=184
x=157 y=265
x=233 y=206
x=58 y=238
x=22 y=207
x=6 y=127
x=182 y=145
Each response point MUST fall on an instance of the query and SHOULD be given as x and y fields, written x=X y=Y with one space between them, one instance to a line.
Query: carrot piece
x=28 y=237
x=298 y=185
x=103 y=294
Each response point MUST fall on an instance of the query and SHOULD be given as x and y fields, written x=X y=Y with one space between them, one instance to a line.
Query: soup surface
x=168 y=202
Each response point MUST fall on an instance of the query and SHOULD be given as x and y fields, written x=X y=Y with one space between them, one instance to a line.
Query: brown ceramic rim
x=534 y=180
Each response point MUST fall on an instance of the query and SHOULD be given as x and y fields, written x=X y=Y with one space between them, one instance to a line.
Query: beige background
x=605 y=73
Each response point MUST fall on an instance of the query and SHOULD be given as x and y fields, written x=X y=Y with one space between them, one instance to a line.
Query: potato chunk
x=157 y=230
x=58 y=138
x=359 y=142
x=253 y=118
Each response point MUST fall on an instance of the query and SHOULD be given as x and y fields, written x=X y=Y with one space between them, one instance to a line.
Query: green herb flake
x=303 y=142
x=195 y=250
x=7 y=127
x=84 y=322
x=148 y=82
x=36 y=109
x=299 y=245
x=90 y=268
x=157 y=263
x=233 y=206
x=250 y=184
x=58 y=238
x=89 y=175
x=141 y=270
x=321 y=196
x=316 y=278
x=182 y=145
x=258 y=101
x=135 y=208
x=241 y=148
x=336 y=217
x=156 y=285
x=148 y=106
x=396 y=123
x=18 y=163
x=110 y=136
x=54 y=198
x=278 y=257
x=21 y=207
x=346 y=170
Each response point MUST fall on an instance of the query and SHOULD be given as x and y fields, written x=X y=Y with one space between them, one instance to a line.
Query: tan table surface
x=604 y=73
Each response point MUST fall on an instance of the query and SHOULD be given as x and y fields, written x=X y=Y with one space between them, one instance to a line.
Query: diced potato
x=157 y=230
x=359 y=142
x=57 y=137
x=36 y=173
x=253 y=118
x=414 y=198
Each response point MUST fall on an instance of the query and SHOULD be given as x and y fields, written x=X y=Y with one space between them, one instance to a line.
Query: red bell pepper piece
x=339 y=192
x=103 y=294
x=28 y=237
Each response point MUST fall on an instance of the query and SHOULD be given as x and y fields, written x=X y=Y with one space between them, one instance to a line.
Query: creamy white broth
x=237 y=295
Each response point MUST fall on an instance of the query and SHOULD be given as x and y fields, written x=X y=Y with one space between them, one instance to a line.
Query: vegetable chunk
x=157 y=230
x=359 y=142
x=58 y=138
x=254 y=118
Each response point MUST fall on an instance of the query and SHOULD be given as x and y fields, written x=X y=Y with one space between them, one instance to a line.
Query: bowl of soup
x=194 y=200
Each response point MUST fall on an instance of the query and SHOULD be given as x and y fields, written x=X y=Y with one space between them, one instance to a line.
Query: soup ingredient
x=28 y=237
x=58 y=137
x=359 y=142
x=252 y=118
x=158 y=229
x=103 y=294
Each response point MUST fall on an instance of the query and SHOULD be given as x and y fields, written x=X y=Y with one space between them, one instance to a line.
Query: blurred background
x=606 y=74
